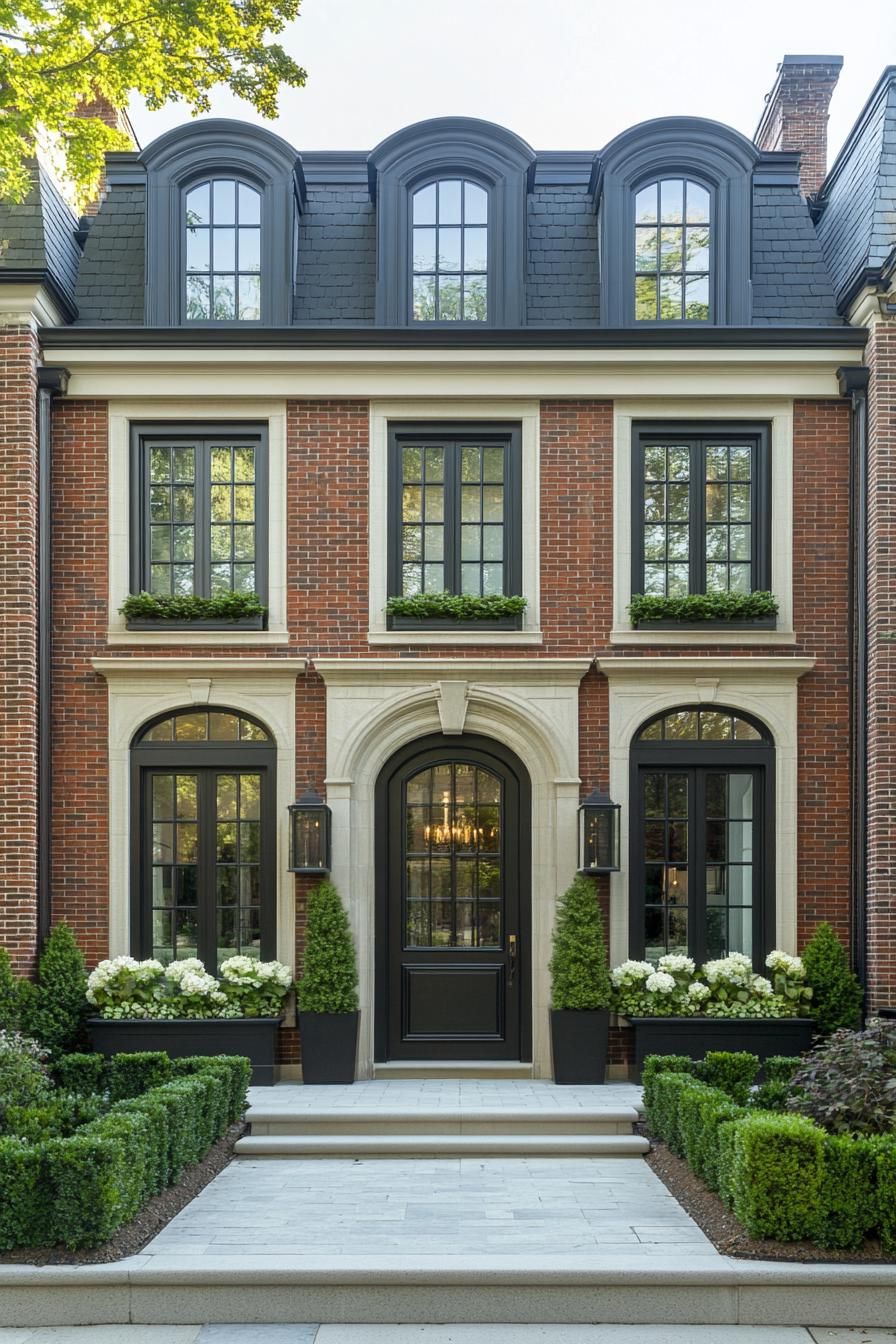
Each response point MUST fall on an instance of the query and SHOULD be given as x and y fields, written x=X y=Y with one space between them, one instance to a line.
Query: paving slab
x=559 y=1334
x=106 y=1334
x=822 y=1334
x=396 y=1096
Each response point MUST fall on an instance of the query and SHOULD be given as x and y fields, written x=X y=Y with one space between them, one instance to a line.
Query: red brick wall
x=881 y=357
x=796 y=117
x=18 y=646
x=80 y=875
x=821 y=618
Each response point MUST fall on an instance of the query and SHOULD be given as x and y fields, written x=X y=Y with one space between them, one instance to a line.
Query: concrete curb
x=513 y=1289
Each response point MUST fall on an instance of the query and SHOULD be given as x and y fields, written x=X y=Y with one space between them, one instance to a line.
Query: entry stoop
x=421 y=1123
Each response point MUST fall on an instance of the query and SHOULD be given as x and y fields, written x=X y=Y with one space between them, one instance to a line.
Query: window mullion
x=206 y=939
x=202 y=544
x=698 y=517
x=452 y=516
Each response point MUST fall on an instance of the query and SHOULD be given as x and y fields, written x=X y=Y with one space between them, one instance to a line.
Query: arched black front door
x=452 y=939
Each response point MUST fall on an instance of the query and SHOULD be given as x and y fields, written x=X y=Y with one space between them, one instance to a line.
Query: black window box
x=180 y=1037
x=450 y=623
x=149 y=623
x=756 y=623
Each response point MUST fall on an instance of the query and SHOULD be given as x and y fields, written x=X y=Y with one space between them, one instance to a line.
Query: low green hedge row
x=79 y=1189
x=783 y=1176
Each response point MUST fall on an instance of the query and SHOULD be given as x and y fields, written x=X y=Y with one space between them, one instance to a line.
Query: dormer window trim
x=216 y=149
x=717 y=158
x=452 y=148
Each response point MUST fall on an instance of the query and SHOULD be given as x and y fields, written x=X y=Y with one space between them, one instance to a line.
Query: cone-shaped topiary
x=836 y=992
x=580 y=977
x=329 y=982
x=59 y=1006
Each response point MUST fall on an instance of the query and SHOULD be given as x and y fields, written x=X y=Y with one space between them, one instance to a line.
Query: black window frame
x=203 y=435
x=456 y=435
x=435 y=179
x=689 y=757
x=204 y=757
x=697 y=436
x=211 y=176
x=715 y=279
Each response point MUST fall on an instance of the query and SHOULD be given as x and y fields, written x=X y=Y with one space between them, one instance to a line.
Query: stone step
x=441 y=1145
x=452 y=1068
x=328 y=1121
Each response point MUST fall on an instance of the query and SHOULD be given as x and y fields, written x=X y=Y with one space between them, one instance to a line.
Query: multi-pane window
x=455 y=514
x=699 y=861
x=453 y=858
x=672 y=252
x=449 y=251
x=222 y=251
x=202 y=526
x=206 y=853
x=701 y=512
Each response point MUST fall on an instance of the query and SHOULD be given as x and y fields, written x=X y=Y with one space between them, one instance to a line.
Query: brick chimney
x=796 y=114
x=114 y=117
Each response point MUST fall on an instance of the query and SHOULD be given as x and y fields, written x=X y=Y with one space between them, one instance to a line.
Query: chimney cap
x=835 y=61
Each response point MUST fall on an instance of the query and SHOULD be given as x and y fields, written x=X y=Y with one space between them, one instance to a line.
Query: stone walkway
x=442 y=1334
x=441 y=1208
x=424 y=1094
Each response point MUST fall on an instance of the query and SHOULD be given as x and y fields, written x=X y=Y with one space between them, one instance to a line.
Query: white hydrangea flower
x=761 y=986
x=676 y=964
x=177 y=970
x=660 y=982
x=784 y=962
x=697 y=990
x=630 y=972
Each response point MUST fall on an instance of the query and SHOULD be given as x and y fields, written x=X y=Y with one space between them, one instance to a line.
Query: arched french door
x=453 y=960
x=702 y=835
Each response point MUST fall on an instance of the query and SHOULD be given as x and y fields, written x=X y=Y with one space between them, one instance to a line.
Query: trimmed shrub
x=701 y=1115
x=848 y=1210
x=665 y=1116
x=25 y=1199
x=192 y=1127
x=57 y=1117
x=778 y=1174
x=654 y=1065
x=58 y=1012
x=846 y=1083
x=92 y=1186
x=180 y=1126
x=781 y=1068
x=84 y=1074
x=732 y=1071
x=133 y=1131
x=158 y=1143
x=726 y=1134
x=580 y=976
x=886 y=1192
x=132 y=1074
x=770 y=1096
x=329 y=982
x=9 y=998
x=836 y=991
x=235 y=1069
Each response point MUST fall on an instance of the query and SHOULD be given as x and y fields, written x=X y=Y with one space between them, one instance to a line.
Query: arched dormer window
x=674 y=197
x=449 y=251
x=673 y=251
x=222 y=251
x=222 y=202
x=451 y=246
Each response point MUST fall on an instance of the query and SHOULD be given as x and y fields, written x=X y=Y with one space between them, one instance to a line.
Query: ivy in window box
x=460 y=611
x=146 y=611
x=737 y=610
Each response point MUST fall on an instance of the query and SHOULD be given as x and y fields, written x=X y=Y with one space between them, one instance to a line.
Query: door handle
x=512 y=944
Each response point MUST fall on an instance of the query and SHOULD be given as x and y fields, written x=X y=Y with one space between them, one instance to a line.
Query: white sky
x=563 y=74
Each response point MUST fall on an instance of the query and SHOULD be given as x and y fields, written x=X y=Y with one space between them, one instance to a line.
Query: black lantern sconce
x=309 y=834
x=598 y=834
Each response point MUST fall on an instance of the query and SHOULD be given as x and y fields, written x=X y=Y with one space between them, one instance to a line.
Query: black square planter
x=254 y=1037
x=329 y=1045
x=579 y=1044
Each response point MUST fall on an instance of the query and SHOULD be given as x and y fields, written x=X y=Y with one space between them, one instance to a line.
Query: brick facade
x=18 y=625
x=881 y=903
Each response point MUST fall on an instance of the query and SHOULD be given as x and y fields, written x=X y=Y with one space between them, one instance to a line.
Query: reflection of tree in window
x=450 y=252
x=672 y=252
x=223 y=252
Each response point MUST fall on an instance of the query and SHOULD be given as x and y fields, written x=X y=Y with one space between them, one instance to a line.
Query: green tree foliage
x=579 y=974
x=59 y=1005
x=56 y=54
x=836 y=992
x=329 y=982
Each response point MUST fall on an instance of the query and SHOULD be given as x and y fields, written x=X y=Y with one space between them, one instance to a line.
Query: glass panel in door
x=453 y=858
x=665 y=807
x=729 y=859
x=174 y=866
x=238 y=864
